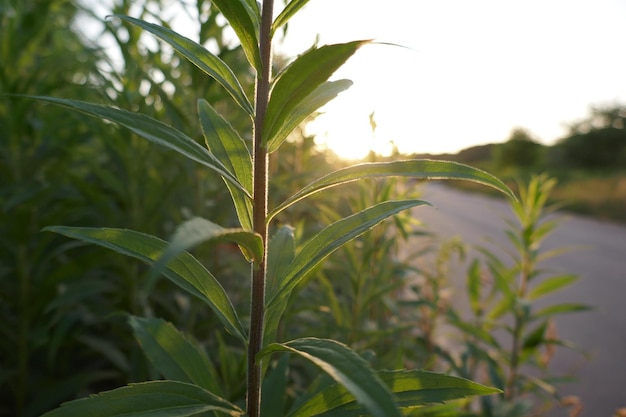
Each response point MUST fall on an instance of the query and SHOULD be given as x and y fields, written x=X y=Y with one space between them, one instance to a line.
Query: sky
x=465 y=72
x=468 y=72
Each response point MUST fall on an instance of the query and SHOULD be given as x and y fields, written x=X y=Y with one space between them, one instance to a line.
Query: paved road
x=601 y=264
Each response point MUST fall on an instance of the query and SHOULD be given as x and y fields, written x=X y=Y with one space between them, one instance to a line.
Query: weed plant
x=196 y=383
x=509 y=335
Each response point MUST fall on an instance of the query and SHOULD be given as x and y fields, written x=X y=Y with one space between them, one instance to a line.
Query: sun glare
x=350 y=135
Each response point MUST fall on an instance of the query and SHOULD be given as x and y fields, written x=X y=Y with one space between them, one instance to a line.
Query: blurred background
x=516 y=89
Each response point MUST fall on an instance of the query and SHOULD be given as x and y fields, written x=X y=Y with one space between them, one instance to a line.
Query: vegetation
x=79 y=319
x=588 y=163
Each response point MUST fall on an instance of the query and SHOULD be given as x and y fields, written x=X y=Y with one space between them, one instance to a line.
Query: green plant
x=509 y=333
x=62 y=335
x=281 y=103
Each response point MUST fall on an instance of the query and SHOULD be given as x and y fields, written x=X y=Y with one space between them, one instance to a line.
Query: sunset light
x=469 y=72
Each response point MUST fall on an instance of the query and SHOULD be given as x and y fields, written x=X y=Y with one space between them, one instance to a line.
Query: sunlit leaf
x=299 y=80
x=333 y=237
x=322 y=95
x=225 y=144
x=345 y=367
x=414 y=168
x=197 y=230
x=244 y=18
x=230 y=149
x=200 y=57
x=243 y=206
x=550 y=285
x=173 y=355
x=184 y=270
x=290 y=9
x=411 y=389
x=155 y=398
x=152 y=130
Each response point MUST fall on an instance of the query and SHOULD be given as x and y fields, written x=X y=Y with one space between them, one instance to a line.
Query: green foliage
x=504 y=296
x=598 y=142
x=296 y=92
x=519 y=151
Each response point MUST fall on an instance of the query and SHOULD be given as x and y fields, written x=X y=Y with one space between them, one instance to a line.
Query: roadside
x=600 y=263
x=601 y=196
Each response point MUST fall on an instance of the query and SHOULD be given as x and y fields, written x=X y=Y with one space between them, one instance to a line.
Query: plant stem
x=519 y=322
x=261 y=163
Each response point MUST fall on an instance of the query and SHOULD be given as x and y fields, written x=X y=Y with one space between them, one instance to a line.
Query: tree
x=520 y=150
x=597 y=142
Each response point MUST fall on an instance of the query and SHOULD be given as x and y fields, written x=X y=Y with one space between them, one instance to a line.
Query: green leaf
x=197 y=230
x=245 y=20
x=322 y=95
x=281 y=251
x=413 y=168
x=155 y=398
x=173 y=355
x=561 y=309
x=534 y=339
x=200 y=57
x=299 y=80
x=345 y=367
x=229 y=148
x=225 y=144
x=184 y=271
x=290 y=9
x=411 y=389
x=473 y=287
x=243 y=206
x=275 y=389
x=152 y=130
x=475 y=331
x=333 y=237
x=550 y=285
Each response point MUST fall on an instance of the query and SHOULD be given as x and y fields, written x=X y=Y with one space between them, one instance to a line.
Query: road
x=600 y=261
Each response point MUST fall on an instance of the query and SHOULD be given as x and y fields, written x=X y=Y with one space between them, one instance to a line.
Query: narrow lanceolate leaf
x=245 y=20
x=173 y=355
x=536 y=337
x=184 y=270
x=333 y=237
x=243 y=206
x=299 y=80
x=280 y=253
x=560 y=309
x=347 y=368
x=229 y=148
x=225 y=144
x=152 y=130
x=276 y=389
x=200 y=57
x=155 y=398
x=198 y=230
x=413 y=168
x=550 y=285
x=290 y=9
x=411 y=389
x=322 y=95
x=473 y=287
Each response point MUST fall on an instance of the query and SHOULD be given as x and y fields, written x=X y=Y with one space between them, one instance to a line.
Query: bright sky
x=474 y=71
